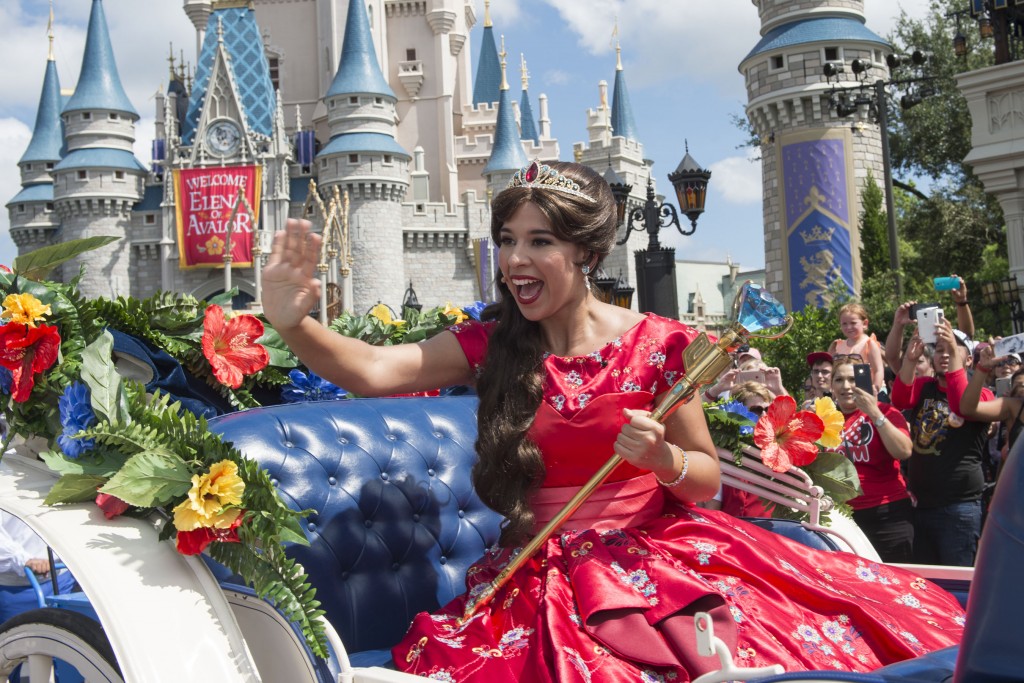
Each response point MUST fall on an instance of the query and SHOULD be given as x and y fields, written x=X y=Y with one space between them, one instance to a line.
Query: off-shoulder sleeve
x=677 y=336
x=473 y=337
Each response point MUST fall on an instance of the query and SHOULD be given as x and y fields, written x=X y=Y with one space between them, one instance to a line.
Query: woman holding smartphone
x=875 y=438
x=977 y=403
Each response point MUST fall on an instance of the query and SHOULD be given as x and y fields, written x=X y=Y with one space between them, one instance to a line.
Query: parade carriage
x=394 y=526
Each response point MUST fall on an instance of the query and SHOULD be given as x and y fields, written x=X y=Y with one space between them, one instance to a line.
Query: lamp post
x=409 y=300
x=999 y=20
x=1005 y=291
x=876 y=98
x=656 y=265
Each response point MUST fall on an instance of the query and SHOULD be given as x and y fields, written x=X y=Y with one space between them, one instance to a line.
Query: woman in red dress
x=564 y=380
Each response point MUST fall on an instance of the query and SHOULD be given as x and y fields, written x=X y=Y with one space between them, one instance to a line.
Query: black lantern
x=691 y=184
x=620 y=190
x=960 y=44
x=623 y=293
x=985 y=28
x=605 y=286
x=410 y=300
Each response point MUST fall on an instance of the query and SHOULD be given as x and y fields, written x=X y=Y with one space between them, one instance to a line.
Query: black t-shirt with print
x=946 y=465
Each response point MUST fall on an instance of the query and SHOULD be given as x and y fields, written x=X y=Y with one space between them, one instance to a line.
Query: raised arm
x=904 y=389
x=964 y=317
x=877 y=364
x=895 y=436
x=894 y=341
x=289 y=293
x=971 y=405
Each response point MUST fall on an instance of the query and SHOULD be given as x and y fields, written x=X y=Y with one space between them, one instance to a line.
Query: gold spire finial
x=170 y=60
x=487 y=14
x=618 y=46
x=525 y=73
x=49 y=33
x=504 y=62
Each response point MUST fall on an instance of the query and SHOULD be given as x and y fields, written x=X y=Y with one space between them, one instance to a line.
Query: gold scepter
x=704 y=360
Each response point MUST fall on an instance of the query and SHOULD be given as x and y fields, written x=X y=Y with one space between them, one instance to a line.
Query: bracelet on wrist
x=961 y=303
x=882 y=419
x=682 y=474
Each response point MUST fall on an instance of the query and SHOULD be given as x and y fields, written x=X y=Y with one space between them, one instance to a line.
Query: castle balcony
x=410 y=74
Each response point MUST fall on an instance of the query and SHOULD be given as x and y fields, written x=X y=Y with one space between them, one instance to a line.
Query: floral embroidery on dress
x=875 y=573
x=596 y=355
x=639 y=580
x=437 y=674
x=558 y=402
x=573 y=378
x=648 y=676
x=514 y=641
x=456 y=643
x=737 y=614
x=582 y=400
x=671 y=376
x=576 y=659
x=704 y=550
x=655 y=358
x=630 y=386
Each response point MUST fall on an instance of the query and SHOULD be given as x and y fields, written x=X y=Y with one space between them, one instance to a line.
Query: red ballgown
x=612 y=597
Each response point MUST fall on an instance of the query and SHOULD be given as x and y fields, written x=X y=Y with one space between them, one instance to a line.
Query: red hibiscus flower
x=195 y=541
x=112 y=506
x=786 y=437
x=25 y=351
x=231 y=346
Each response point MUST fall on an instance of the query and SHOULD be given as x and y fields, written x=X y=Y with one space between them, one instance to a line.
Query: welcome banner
x=205 y=200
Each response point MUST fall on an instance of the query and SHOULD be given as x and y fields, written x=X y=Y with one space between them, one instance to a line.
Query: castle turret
x=363 y=158
x=623 y=123
x=507 y=155
x=814 y=163
x=527 y=126
x=488 y=72
x=33 y=221
x=99 y=179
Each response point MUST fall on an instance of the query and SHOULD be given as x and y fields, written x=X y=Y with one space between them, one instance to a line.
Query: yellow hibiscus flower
x=833 y=420
x=382 y=313
x=454 y=312
x=24 y=308
x=209 y=495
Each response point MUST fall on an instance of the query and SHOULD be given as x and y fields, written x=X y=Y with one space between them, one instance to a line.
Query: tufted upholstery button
x=368 y=523
x=273 y=482
x=438 y=435
x=443 y=560
x=344 y=576
x=288 y=444
x=416 y=518
x=311 y=527
x=430 y=472
x=462 y=514
x=391 y=437
x=332 y=481
x=342 y=440
x=384 y=476
x=394 y=567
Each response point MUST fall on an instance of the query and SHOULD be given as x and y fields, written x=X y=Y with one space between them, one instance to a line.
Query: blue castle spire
x=47 y=142
x=507 y=153
x=623 y=123
x=358 y=69
x=488 y=72
x=527 y=125
x=99 y=86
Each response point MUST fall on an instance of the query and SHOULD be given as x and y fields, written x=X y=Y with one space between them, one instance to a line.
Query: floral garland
x=789 y=437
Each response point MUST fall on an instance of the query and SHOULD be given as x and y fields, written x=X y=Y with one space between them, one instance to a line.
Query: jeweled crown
x=546 y=178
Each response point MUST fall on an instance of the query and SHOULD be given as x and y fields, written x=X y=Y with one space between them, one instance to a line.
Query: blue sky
x=680 y=58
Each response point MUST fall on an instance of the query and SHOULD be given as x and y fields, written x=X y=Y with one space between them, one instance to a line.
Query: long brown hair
x=511 y=385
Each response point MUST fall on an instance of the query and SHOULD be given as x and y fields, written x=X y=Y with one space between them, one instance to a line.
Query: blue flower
x=5 y=380
x=310 y=387
x=76 y=414
x=475 y=309
x=737 y=408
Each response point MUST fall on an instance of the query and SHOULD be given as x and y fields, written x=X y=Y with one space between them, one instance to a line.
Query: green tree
x=813 y=330
x=874 y=244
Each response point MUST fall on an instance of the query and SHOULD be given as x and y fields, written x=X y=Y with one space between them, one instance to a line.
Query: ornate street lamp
x=623 y=293
x=656 y=265
x=410 y=300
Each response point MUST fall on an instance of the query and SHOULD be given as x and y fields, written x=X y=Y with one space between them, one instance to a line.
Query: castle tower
x=363 y=157
x=33 y=221
x=198 y=12
x=488 y=75
x=527 y=126
x=99 y=179
x=618 y=149
x=813 y=162
x=507 y=155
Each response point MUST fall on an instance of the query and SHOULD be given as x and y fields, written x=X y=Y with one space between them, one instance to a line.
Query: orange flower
x=786 y=437
x=231 y=346
x=26 y=350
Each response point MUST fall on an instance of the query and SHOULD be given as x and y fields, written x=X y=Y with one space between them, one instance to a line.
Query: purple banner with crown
x=818 y=210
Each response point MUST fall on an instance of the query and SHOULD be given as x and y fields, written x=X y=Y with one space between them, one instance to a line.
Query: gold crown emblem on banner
x=817 y=234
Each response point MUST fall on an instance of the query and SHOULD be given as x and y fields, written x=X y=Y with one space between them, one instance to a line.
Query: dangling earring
x=586 y=275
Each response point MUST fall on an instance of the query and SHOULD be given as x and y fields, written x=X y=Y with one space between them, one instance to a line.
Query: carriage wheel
x=35 y=639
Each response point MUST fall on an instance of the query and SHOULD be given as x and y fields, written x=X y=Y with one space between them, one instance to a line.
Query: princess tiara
x=544 y=177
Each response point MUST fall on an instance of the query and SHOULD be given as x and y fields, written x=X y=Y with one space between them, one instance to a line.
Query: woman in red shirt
x=876 y=437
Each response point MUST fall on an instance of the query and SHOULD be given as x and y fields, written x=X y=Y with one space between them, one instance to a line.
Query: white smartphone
x=1003 y=385
x=1008 y=345
x=928 y=320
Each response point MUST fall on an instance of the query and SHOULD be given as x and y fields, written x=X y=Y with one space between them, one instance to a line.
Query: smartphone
x=928 y=320
x=750 y=376
x=862 y=377
x=1003 y=385
x=917 y=307
x=1008 y=345
x=945 y=284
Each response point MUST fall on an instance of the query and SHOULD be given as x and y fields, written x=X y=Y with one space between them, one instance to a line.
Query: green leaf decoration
x=37 y=264
x=224 y=298
x=836 y=475
x=74 y=488
x=280 y=355
x=95 y=466
x=100 y=375
x=149 y=479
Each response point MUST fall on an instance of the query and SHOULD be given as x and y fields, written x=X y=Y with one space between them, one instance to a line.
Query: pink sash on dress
x=616 y=505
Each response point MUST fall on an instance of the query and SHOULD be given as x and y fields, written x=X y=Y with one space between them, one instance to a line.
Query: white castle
x=372 y=98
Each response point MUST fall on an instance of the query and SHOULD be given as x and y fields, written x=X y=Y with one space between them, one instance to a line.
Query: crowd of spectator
x=927 y=428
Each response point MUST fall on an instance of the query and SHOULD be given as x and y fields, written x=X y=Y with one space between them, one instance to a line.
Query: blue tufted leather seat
x=396 y=522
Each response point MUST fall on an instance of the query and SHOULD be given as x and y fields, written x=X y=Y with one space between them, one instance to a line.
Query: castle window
x=49 y=165
x=353 y=100
x=777 y=63
x=353 y=158
x=113 y=116
x=878 y=57
x=323 y=164
x=832 y=54
x=118 y=175
x=49 y=206
x=87 y=116
x=378 y=100
x=330 y=104
x=410 y=54
x=83 y=175
x=388 y=160
x=275 y=72
x=21 y=208
x=150 y=219
x=28 y=167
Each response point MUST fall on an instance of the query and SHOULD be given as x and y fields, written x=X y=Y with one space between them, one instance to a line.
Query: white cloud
x=737 y=179
x=503 y=12
x=555 y=77
x=14 y=138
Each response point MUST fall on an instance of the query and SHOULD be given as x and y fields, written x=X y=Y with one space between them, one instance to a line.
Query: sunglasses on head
x=756 y=410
